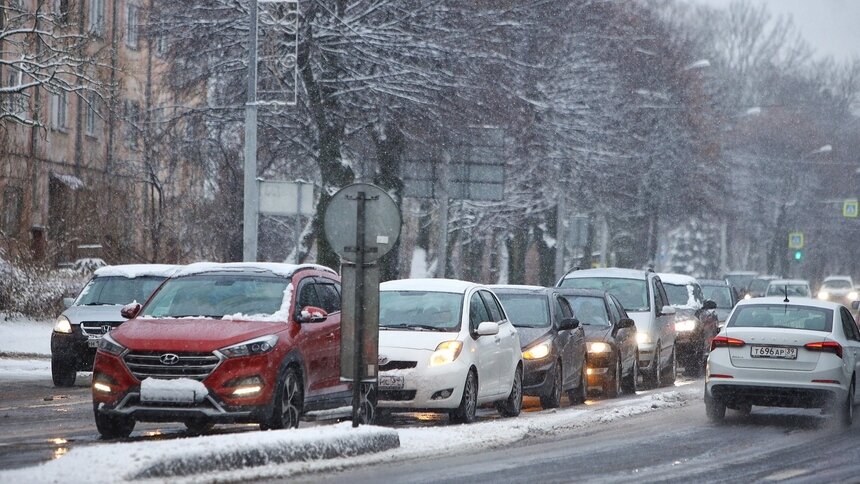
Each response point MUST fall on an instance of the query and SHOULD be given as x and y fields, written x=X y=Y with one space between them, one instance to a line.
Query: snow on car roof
x=793 y=301
x=516 y=287
x=789 y=282
x=677 y=279
x=136 y=270
x=437 y=285
x=277 y=268
x=608 y=272
x=837 y=278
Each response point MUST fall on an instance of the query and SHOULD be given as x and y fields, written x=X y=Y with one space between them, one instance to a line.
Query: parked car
x=613 y=353
x=552 y=342
x=642 y=295
x=838 y=289
x=758 y=286
x=724 y=295
x=447 y=346
x=740 y=280
x=802 y=353
x=222 y=343
x=789 y=287
x=95 y=312
x=696 y=323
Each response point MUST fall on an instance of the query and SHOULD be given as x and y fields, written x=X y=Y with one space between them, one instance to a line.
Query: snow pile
x=36 y=291
x=195 y=455
x=282 y=314
x=418 y=266
x=132 y=271
x=13 y=369
x=277 y=268
x=25 y=336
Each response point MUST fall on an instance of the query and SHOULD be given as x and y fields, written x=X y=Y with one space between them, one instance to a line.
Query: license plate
x=779 y=352
x=166 y=394
x=93 y=342
x=390 y=382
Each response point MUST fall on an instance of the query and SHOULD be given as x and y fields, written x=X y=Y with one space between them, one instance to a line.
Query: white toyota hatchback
x=446 y=346
x=773 y=352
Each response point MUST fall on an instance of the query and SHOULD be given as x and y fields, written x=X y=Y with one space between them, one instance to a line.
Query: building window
x=131 y=26
x=59 y=111
x=160 y=43
x=92 y=114
x=61 y=10
x=132 y=119
x=16 y=102
x=96 y=19
x=13 y=201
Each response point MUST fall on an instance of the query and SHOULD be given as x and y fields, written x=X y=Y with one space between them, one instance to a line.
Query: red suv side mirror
x=130 y=311
x=312 y=314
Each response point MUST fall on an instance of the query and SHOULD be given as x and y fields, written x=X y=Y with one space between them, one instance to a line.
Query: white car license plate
x=390 y=382
x=779 y=352
x=93 y=341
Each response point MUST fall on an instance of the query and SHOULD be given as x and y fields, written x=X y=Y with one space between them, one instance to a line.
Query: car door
x=486 y=348
x=328 y=295
x=852 y=343
x=316 y=340
x=568 y=341
x=665 y=326
x=625 y=338
x=508 y=343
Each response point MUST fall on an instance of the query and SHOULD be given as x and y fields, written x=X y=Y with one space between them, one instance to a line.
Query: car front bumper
x=424 y=385
x=538 y=376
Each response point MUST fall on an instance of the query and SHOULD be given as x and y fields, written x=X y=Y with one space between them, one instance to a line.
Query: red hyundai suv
x=221 y=343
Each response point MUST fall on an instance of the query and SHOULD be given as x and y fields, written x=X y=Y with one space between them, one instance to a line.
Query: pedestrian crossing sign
x=850 y=209
x=795 y=240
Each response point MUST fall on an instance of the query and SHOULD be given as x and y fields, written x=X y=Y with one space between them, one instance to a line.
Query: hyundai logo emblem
x=169 y=359
x=106 y=328
x=382 y=360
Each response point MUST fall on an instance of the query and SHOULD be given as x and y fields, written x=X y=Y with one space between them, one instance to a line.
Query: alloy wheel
x=291 y=401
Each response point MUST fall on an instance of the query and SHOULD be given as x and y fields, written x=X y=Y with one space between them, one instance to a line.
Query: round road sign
x=381 y=222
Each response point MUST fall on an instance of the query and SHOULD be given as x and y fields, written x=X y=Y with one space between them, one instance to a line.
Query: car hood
x=106 y=314
x=191 y=335
x=597 y=333
x=530 y=335
x=413 y=340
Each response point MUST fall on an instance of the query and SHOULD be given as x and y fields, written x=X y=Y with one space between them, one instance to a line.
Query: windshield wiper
x=99 y=304
x=200 y=316
x=421 y=327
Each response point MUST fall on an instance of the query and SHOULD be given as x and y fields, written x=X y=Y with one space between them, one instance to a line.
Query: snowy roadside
x=24 y=369
x=25 y=337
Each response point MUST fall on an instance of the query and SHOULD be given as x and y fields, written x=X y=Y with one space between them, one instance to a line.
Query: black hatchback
x=552 y=341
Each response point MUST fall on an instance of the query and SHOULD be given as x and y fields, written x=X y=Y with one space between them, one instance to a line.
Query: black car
x=552 y=341
x=724 y=295
x=613 y=358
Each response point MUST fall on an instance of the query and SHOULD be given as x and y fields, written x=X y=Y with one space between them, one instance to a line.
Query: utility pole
x=442 y=198
x=560 y=233
x=251 y=203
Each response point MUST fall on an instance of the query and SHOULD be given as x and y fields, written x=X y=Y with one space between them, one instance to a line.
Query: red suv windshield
x=235 y=296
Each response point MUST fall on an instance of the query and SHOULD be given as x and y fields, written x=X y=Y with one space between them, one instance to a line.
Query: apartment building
x=86 y=181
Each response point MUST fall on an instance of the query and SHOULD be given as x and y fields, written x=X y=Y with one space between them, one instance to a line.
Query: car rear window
x=526 y=310
x=782 y=316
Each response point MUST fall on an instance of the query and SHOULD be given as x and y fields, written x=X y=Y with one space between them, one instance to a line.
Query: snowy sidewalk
x=25 y=337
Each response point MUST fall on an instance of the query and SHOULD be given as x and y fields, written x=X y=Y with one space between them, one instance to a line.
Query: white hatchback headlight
x=63 y=325
x=823 y=295
x=643 y=338
x=446 y=352
x=852 y=296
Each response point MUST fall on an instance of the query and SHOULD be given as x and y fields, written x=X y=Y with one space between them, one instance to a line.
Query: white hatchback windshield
x=420 y=310
x=217 y=295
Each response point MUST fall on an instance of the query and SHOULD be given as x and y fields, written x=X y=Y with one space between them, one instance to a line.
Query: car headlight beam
x=643 y=338
x=63 y=325
x=852 y=296
x=685 y=325
x=598 y=347
x=446 y=352
x=823 y=295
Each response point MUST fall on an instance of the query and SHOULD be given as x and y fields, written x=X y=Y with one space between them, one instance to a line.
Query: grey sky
x=832 y=27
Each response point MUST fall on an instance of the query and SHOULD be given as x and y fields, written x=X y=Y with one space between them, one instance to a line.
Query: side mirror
x=68 y=301
x=667 y=311
x=487 y=328
x=625 y=323
x=312 y=314
x=130 y=311
x=568 y=324
x=855 y=304
x=709 y=305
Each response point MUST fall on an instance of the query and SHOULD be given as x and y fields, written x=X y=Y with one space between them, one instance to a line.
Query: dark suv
x=219 y=343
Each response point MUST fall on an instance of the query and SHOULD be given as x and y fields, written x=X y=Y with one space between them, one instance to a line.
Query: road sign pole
x=251 y=202
x=358 y=341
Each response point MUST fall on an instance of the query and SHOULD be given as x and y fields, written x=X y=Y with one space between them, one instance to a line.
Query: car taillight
x=825 y=346
x=725 y=341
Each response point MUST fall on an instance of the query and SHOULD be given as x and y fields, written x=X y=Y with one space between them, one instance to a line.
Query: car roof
x=837 y=278
x=742 y=273
x=677 y=279
x=132 y=271
x=766 y=277
x=713 y=282
x=793 y=301
x=615 y=272
x=433 y=285
x=276 y=268
x=518 y=289
x=569 y=291
x=789 y=282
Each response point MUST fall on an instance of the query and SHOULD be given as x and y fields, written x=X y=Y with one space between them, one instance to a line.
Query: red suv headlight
x=256 y=346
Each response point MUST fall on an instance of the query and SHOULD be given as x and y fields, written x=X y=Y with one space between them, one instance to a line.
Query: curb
x=367 y=442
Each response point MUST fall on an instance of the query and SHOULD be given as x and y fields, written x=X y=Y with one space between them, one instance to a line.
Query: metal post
x=604 y=240
x=251 y=198
x=442 y=197
x=299 y=186
x=724 y=248
x=560 y=235
x=359 y=308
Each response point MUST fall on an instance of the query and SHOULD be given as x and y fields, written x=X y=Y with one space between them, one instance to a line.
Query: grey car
x=724 y=295
x=96 y=311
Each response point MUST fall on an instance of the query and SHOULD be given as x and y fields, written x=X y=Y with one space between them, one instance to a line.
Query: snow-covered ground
x=14 y=369
x=22 y=336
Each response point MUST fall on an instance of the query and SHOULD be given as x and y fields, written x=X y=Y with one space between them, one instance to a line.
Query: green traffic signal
x=798 y=255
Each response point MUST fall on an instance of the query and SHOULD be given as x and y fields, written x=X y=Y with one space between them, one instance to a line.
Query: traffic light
x=798 y=255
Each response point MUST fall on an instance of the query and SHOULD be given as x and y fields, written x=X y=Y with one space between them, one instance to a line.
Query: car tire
x=465 y=412
x=113 y=426
x=654 y=378
x=513 y=405
x=553 y=398
x=630 y=383
x=198 y=427
x=63 y=372
x=288 y=402
x=669 y=380
x=611 y=388
x=846 y=410
x=579 y=394
x=714 y=409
